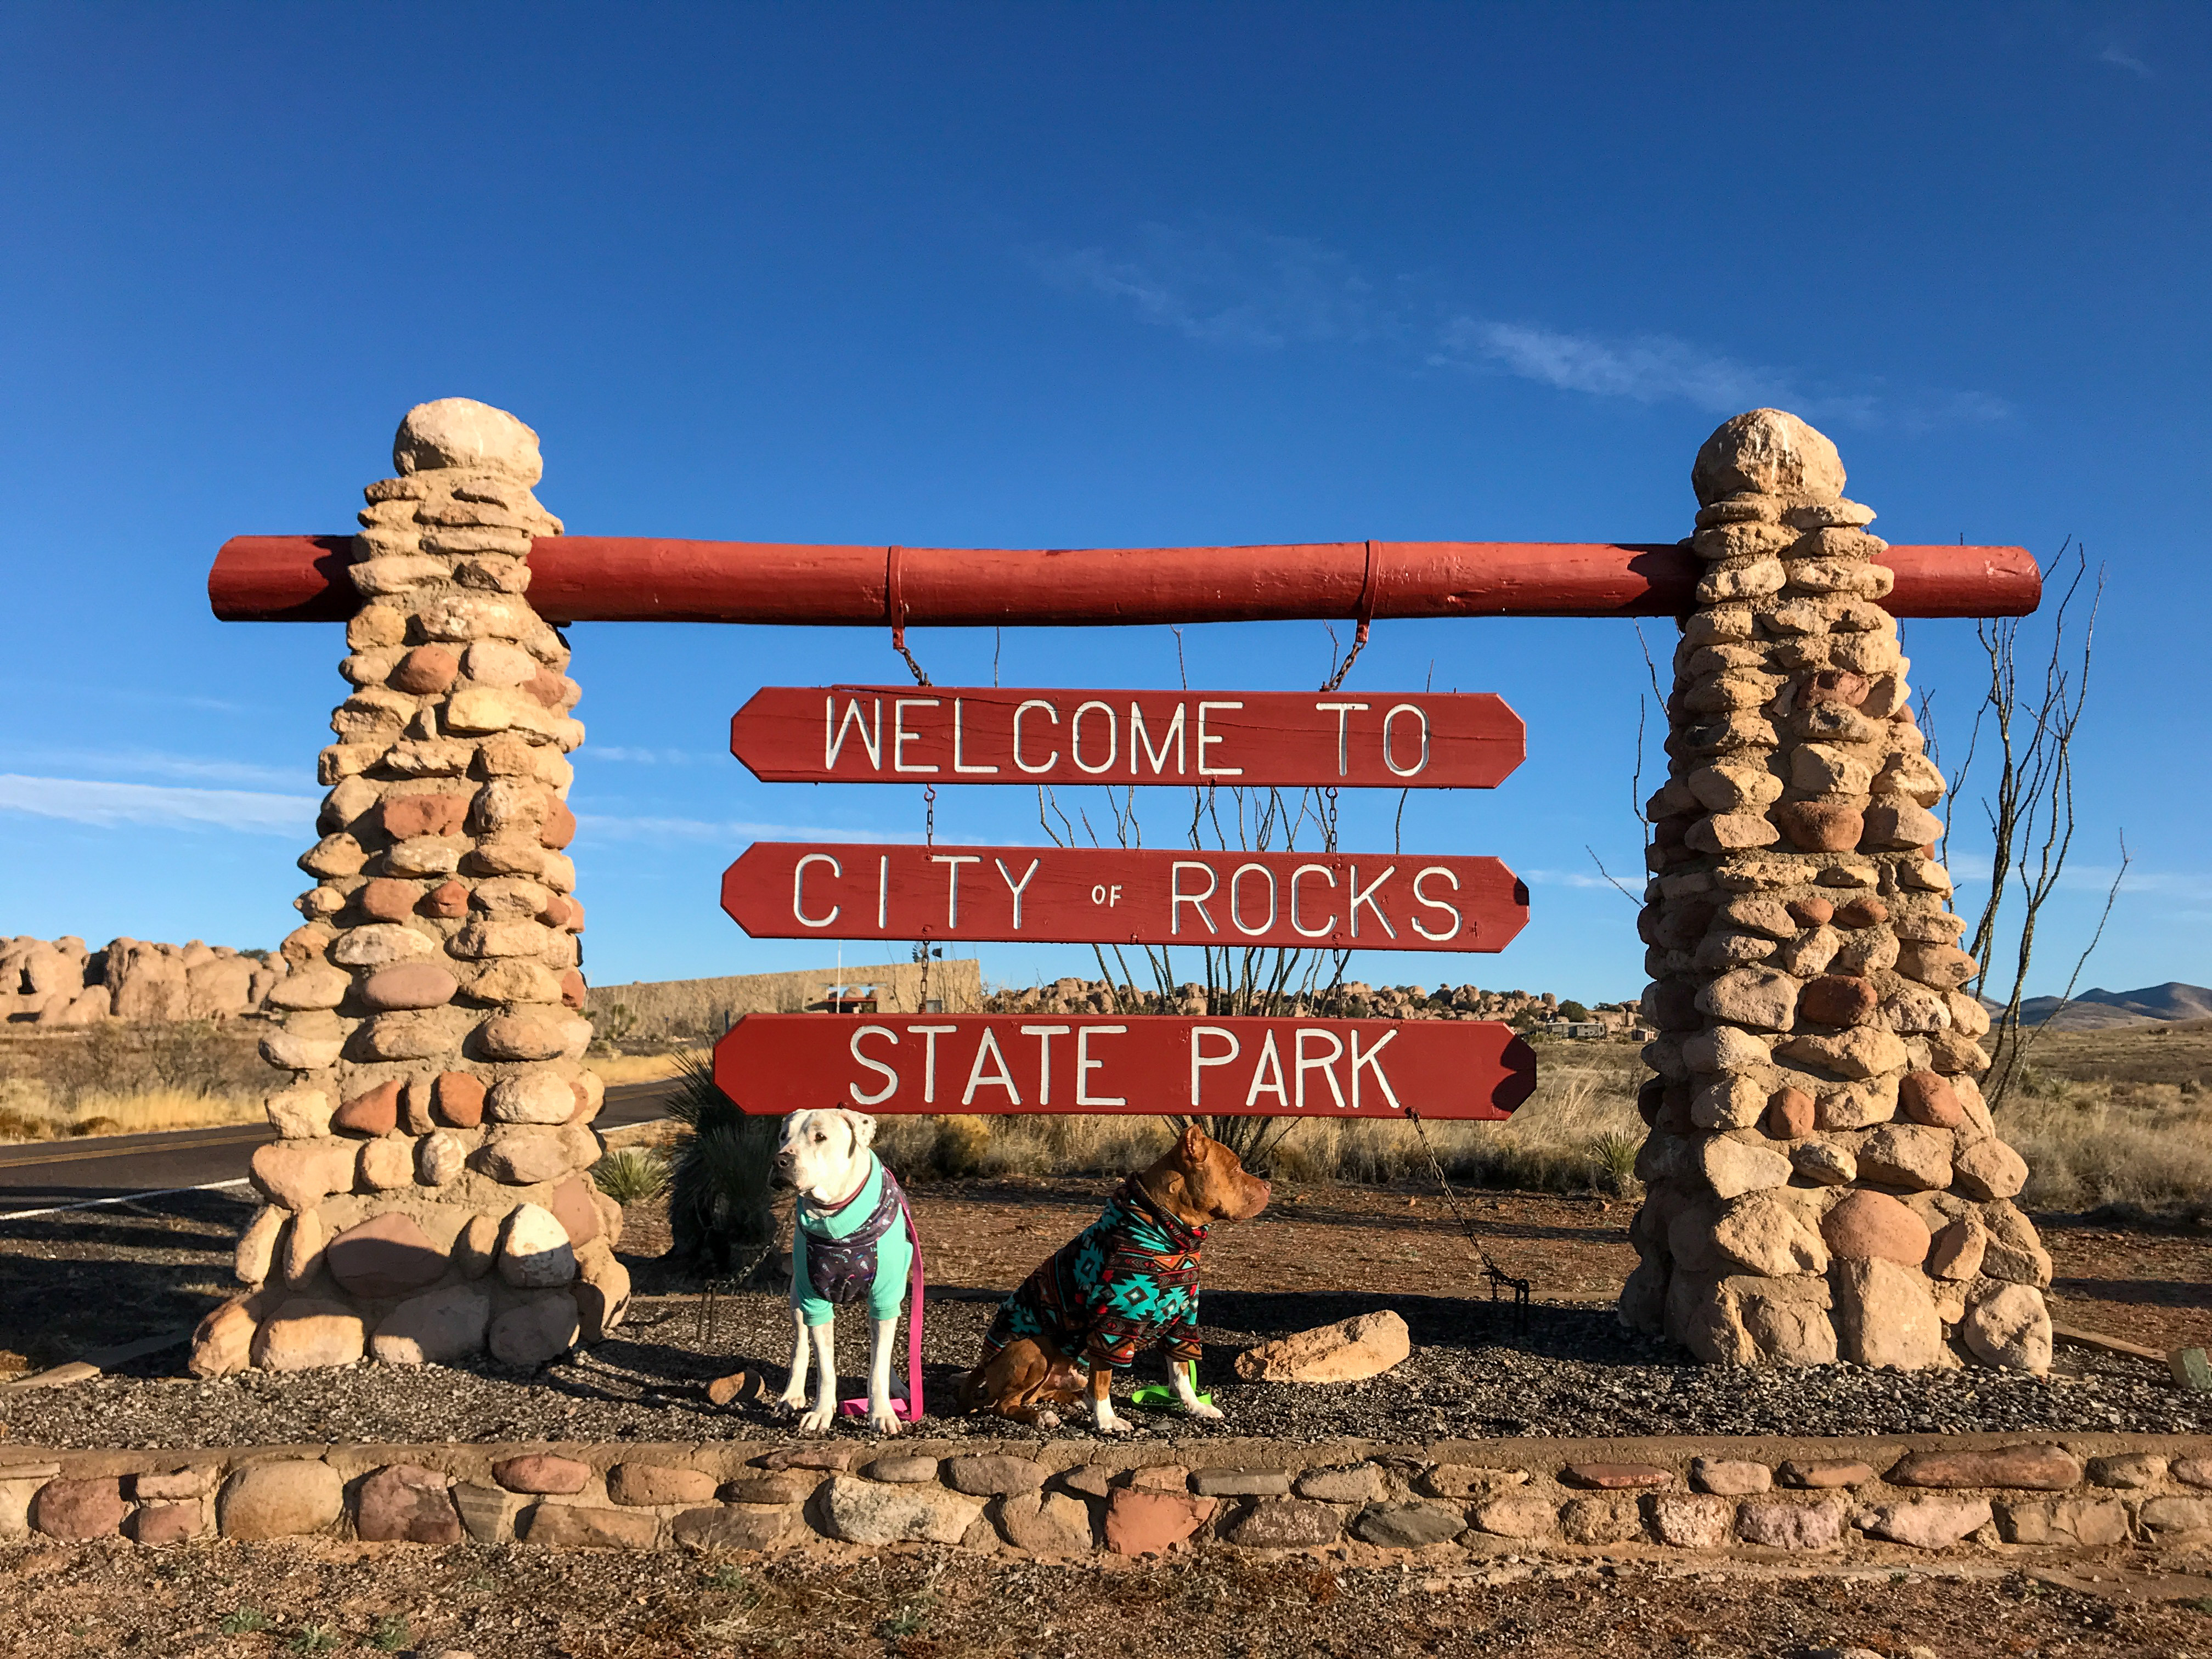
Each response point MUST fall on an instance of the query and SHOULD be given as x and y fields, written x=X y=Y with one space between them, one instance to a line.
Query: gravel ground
x=324 y=1596
x=1572 y=1372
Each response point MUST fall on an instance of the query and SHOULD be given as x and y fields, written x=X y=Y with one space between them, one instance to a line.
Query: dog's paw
x=1201 y=1409
x=789 y=1403
x=882 y=1419
x=817 y=1421
x=1108 y=1422
x=1048 y=1419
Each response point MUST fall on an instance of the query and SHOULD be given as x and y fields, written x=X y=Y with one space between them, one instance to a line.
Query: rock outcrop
x=59 y=983
x=1826 y=1180
x=435 y=1115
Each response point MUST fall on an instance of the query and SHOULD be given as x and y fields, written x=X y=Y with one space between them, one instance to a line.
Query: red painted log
x=642 y=578
x=771 y=1064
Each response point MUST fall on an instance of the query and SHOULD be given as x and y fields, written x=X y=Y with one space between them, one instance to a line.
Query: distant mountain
x=2103 y=1011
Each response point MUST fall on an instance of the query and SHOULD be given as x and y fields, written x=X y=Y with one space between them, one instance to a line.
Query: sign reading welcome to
x=990 y=734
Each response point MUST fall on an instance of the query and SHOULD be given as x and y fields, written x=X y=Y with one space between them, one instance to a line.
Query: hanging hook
x=895 y=611
x=1366 y=619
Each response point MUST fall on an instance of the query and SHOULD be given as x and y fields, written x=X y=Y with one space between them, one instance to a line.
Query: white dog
x=849 y=1243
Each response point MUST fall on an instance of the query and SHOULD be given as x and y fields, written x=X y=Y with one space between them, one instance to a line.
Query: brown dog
x=1128 y=1281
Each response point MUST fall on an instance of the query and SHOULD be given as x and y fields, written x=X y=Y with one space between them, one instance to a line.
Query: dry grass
x=26 y=1114
x=2143 y=1145
x=131 y=1080
x=1579 y=1131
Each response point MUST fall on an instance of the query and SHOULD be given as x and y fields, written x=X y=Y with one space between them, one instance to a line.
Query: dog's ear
x=1193 y=1144
x=863 y=1127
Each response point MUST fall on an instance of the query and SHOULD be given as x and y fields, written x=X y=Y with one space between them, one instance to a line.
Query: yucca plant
x=722 y=1212
x=631 y=1176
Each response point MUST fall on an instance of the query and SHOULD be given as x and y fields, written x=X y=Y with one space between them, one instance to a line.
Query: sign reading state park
x=771 y=1064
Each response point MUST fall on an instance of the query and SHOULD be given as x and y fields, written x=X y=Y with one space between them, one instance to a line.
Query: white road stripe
x=123 y=1198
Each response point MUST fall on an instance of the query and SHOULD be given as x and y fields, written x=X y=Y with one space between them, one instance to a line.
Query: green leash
x=1160 y=1394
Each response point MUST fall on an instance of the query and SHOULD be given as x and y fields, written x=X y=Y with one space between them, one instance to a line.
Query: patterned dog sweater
x=1127 y=1280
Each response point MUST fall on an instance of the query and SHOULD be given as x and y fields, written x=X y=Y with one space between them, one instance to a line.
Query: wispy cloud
x=1223 y=284
x=1569 y=879
x=614 y=751
x=106 y=805
x=2112 y=54
x=1227 y=284
x=155 y=763
x=1652 y=368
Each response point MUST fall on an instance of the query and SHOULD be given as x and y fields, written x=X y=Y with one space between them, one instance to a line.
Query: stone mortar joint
x=1877 y=1499
x=428 y=1198
x=1825 y=1180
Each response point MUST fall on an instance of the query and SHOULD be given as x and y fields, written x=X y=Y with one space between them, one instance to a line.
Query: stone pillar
x=428 y=1198
x=1824 y=1181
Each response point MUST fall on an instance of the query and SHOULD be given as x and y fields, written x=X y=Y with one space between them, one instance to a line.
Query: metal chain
x=928 y=839
x=1498 y=1277
x=1359 y=632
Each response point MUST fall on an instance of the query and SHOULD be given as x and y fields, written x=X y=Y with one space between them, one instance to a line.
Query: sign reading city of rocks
x=772 y=1064
x=1084 y=895
x=990 y=734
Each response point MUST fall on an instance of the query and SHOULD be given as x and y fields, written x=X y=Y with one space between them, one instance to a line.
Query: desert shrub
x=631 y=1176
x=722 y=1207
x=188 y=1057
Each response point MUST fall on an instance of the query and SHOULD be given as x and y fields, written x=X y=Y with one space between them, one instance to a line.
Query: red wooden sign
x=772 y=1064
x=990 y=734
x=1082 y=896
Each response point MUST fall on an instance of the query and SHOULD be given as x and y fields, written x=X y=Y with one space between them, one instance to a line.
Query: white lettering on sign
x=798 y=891
x=1204 y=741
x=1372 y=1062
x=1075 y=738
x=1366 y=896
x=834 y=730
x=1327 y=1067
x=889 y=1075
x=1108 y=896
x=1389 y=759
x=1199 y=1057
x=1049 y=761
x=1270 y=1066
x=1298 y=875
x=1343 y=711
x=1177 y=898
x=1140 y=741
x=1001 y=1079
x=1013 y=886
x=1044 y=1035
x=1451 y=910
x=883 y=888
x=929 y=1034
x=901 y=736
x=1085 y=1066
x=1236 y=912
x=952 y=861
x=972 y=771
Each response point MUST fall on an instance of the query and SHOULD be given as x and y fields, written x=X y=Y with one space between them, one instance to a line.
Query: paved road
x=51 y=1172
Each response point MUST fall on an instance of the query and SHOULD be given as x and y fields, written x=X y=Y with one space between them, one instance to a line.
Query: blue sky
x=1067 y=276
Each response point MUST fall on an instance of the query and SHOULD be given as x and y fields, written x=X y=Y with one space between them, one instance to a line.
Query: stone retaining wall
x=1756 y=1498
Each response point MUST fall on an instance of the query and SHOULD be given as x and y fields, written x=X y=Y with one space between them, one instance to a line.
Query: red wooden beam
x=644 y=579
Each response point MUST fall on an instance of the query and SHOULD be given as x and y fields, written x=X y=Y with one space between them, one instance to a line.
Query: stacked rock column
x=1825 y=1179
x=428 y=1197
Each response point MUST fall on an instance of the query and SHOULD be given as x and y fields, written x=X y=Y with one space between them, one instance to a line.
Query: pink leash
x=907 y=1410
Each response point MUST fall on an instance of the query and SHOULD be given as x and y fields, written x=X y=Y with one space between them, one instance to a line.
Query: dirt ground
x=921 y=1603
